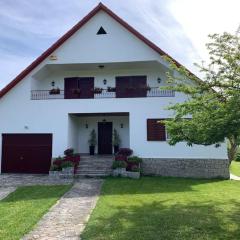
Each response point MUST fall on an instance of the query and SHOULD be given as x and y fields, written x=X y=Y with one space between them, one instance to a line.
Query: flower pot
x=68 y=170
x=119 y=172
x=116 y=149
x=54 y=91
x=54 y=174
x=91 y=150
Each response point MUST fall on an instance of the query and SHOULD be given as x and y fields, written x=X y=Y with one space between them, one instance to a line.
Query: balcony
x=48 y=94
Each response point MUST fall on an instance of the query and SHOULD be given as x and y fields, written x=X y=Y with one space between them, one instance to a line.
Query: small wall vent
x=101 y=31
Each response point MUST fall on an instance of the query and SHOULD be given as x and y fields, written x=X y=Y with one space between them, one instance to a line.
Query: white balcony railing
x=46 y=94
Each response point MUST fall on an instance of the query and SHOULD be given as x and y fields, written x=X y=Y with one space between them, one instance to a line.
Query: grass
x=166 y=208
x=235 y=168
x=22 y=209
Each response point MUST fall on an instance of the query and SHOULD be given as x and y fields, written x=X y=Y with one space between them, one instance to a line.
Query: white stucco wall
x=78 y=137
x=17 y=111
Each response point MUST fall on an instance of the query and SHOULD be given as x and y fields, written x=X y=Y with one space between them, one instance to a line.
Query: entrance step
x=95 y=166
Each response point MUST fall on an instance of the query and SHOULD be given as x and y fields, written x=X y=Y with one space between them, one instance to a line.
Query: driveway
x=15 y=180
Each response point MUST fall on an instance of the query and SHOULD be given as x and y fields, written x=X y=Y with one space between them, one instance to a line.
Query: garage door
x=26 y=153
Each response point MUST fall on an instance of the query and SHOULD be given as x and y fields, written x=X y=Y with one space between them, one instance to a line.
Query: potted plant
x=54 y=91
x=111 y=89
x=133 y=162
x=92 y=142
x=97 y=90
x=116 y=141
x=67 y=167
x=119 y=168
x=125 y=151
x=148 y=88
x=69 y=152
x=54 y=171
x=134 y=173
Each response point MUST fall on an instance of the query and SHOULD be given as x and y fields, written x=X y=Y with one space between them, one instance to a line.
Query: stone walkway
x=67 y=219
x=4 y=191
x=233 y=177
x=14 y=180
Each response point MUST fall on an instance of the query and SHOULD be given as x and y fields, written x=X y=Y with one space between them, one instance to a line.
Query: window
x=101 y=31
x=156 y=130
x=131 y=86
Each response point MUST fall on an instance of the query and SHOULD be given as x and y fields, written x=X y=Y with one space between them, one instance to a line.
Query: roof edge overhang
x=73 y=30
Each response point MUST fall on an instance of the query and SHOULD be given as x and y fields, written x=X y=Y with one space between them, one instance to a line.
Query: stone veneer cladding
x=192 y=168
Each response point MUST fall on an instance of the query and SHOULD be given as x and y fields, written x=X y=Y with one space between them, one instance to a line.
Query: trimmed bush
x=237 y=157
x=67 y=164
x=135 y=169
x=69 y=152
x=120 y=158
x=134 y=159
x=125 y=151
x=119 y=164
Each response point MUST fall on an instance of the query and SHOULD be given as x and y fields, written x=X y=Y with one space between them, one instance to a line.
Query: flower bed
x=65 y=166
x=126 y=165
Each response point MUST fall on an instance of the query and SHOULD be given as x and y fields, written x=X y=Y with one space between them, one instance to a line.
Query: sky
x=179 y=27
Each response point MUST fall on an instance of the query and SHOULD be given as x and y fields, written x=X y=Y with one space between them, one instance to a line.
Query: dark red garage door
x=26 y=153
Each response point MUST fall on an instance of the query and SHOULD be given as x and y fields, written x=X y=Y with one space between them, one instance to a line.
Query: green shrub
x=237 y=157
x=134 y=159
x=67 y=164
x=119 y=164
x=55 y=168
x=135 y=169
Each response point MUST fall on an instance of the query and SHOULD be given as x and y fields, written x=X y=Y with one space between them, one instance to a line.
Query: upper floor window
x=78 y=87
x=131 y=86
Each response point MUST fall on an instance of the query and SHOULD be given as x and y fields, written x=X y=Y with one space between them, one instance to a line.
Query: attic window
x=101 y=31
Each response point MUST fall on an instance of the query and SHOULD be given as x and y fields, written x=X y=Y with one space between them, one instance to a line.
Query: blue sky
x=179 y=27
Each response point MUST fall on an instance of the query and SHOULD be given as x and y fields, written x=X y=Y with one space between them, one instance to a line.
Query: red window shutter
x=85 y=85
x=131 y=86
x=155 y=130
x=69 y=85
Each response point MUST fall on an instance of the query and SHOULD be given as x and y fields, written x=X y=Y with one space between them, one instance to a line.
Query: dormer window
x=101 y=31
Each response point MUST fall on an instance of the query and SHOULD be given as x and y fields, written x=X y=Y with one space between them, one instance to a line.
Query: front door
x=105 y=138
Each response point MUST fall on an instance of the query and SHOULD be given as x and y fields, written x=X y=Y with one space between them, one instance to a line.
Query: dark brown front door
x=105 y=138
x=79 y=87
x=26 y=153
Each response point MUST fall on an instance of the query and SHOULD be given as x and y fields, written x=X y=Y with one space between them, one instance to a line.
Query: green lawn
x=22 y=209
x=235 y=168
x=167 y=209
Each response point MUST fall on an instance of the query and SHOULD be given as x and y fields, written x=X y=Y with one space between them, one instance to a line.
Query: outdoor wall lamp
x=104 y=81
x=53 y=83
x=159 y=80
x=86 y=125
x=121 y=125
x=104 y=120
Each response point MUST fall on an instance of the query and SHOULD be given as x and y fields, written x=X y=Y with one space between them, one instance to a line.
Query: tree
x=211 y=113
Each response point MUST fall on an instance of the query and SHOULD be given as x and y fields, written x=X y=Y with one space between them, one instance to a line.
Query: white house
x=103 y=75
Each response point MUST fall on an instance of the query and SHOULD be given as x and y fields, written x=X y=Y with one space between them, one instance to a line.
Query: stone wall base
x=191 y=168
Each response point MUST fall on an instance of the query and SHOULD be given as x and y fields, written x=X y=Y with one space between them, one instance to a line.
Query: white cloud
x=179 y=27
x=203 y=17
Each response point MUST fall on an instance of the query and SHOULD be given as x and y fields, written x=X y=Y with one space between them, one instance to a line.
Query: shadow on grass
x=158 y=220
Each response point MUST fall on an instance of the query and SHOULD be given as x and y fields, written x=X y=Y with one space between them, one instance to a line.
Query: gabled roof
x=67 y=35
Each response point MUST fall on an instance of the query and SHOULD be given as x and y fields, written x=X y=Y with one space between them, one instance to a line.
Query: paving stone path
x=233 y=177
x=15 y=180
x=67 y=218
x=4 y=191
